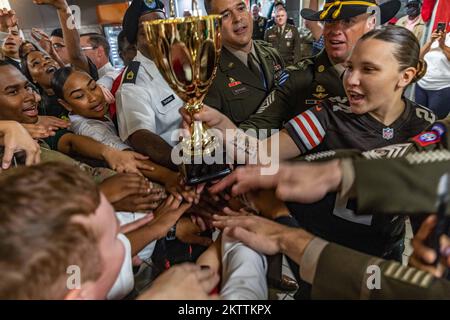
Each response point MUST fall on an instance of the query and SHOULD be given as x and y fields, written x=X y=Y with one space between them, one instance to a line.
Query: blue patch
x=151 y=4
x=284 y=76
x=428 y=137
x=439 y=128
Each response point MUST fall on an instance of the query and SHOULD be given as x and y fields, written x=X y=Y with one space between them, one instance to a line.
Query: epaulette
x=130 y=75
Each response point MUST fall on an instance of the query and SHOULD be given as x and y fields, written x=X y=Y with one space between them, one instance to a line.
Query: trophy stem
x=201 y=142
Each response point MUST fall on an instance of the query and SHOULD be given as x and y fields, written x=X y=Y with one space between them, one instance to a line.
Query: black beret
x=137 y=9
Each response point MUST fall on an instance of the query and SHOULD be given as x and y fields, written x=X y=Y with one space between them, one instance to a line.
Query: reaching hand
x=38 y=131
x=245 y=179
x=122 y=185
x=126 y=161
x=175 y=185
x=183 y=282
x=16 y=138
x=258 y=233
x=189 y=232
x=168 y=213
x=423 y=256
x=8 y=19
x=57 y=4
x=132 y=193
x=209 y=116
x=109 y=97
x=53 y=123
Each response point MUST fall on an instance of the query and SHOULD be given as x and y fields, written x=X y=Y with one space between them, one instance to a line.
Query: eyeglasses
x=88 y=48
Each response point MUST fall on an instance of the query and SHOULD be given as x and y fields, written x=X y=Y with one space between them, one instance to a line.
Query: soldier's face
x=18 y=102
x=127 y=52
x=373 y=80
x=255 y=11
x=83 y=96
x=281 y=17
x=237 y=25
x=142 y=43
x=341 y=36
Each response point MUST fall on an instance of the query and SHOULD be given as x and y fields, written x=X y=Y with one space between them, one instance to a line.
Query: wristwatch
x=172 y=233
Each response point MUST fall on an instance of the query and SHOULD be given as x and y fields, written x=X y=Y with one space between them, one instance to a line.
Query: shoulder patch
x=131 y=73
x=412 y=276
x=427 y=138
x=282 y=78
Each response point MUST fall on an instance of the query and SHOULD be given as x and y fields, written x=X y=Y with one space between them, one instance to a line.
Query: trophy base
x=195 y=174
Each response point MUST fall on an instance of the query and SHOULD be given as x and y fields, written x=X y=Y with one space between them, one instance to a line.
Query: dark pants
x=436 y=100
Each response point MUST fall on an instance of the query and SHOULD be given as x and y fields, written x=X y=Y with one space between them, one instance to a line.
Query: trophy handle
x=172 y=8
x=195 y=11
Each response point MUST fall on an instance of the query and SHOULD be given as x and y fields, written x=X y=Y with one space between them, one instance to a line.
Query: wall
x=45 y=17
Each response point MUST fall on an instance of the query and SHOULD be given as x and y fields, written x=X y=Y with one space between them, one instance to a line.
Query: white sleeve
x=135 y=110
x=99 y=132
x=243 y=273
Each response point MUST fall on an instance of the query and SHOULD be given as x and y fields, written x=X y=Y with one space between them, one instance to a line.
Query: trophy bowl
x=186 y=52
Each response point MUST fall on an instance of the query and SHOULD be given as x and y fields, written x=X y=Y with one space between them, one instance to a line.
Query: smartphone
x=441 y=26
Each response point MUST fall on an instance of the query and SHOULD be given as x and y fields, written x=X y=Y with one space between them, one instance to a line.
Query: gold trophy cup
x=186 y=52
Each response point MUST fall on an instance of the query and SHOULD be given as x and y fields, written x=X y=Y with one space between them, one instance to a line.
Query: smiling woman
x=39 y=68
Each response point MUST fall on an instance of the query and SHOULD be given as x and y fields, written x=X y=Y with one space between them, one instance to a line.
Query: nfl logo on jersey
x=388 y=133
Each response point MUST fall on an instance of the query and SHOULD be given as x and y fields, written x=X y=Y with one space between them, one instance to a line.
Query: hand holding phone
x=441 y=27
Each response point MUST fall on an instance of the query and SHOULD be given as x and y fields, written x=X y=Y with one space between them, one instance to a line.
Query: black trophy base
x=203 y=173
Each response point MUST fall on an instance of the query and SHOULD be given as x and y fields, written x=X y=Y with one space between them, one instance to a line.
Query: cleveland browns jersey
x=330 y=126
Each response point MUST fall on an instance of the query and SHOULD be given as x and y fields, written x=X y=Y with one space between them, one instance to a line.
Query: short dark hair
x=57 y=33
x=97 y=40
x=39 y=238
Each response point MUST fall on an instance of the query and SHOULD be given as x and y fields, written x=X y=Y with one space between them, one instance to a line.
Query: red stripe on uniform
x=313 y=126
x=305 y=132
